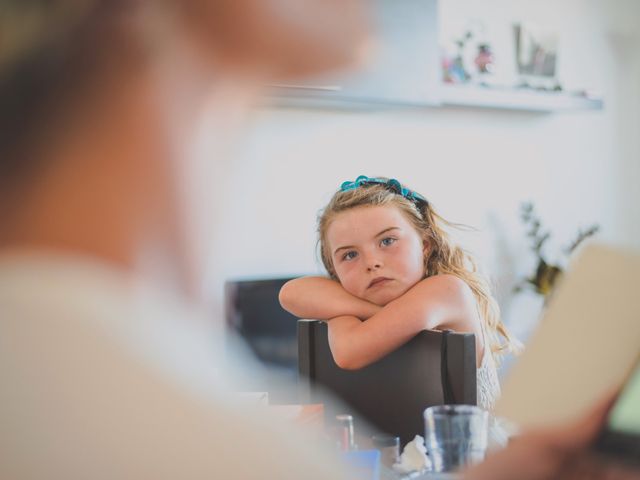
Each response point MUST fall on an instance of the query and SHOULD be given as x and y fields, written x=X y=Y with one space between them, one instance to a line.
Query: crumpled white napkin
x=414 y=457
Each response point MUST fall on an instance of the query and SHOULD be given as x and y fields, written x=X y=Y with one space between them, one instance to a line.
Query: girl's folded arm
x=322 y=298
x=441 y=301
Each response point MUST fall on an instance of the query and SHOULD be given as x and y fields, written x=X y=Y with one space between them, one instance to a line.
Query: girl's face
x=377 y=253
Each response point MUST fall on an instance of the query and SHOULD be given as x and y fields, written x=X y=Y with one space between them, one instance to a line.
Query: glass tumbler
x=455 y=435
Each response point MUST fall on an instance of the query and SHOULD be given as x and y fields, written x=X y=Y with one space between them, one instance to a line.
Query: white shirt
x=102 y=378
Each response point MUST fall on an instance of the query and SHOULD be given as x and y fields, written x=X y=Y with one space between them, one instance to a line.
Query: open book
x=585 y=345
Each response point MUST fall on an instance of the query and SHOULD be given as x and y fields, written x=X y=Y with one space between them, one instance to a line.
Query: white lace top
x=488 y=392
x=488 y=384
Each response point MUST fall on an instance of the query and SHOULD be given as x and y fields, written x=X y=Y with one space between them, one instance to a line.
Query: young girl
x=394 y=272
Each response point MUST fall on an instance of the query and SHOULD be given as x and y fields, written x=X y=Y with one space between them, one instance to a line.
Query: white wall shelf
x=515 y=99
x=406 y=73
x=456 y=96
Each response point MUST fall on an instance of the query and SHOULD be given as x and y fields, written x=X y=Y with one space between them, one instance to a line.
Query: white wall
x=475 y=166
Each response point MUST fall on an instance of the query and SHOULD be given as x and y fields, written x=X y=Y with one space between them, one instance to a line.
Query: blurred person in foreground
x=112 y=118
x=113 y=114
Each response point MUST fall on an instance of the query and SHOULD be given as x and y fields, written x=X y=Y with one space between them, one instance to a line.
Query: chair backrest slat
x=392 y=393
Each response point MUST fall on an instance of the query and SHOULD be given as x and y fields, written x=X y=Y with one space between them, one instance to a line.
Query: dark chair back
x=254 y=312
x=391 y=394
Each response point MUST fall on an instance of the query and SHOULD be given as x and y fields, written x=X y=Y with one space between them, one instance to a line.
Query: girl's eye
x=350 y=255
x=385 y=242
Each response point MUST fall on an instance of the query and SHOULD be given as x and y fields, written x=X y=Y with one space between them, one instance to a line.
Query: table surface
x=438 y=476
x=387 y=474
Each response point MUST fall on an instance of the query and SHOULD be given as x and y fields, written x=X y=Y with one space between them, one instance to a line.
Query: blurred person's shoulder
x=104 y=380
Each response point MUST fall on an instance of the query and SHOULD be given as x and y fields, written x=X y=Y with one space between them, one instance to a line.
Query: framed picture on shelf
x=536 y=54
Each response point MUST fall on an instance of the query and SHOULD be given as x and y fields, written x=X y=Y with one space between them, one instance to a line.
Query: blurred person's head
x=112 y=113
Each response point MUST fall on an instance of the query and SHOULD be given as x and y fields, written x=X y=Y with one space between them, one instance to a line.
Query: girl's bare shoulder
x=448 y=284
x=454 y=298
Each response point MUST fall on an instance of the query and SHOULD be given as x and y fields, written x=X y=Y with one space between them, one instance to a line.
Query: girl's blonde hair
x=443 y=257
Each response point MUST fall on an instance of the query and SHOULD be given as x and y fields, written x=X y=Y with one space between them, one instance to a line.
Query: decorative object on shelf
x=484 y=59
x=469 y=56
x=536 y=55
x=547 y=274
x=453 y=68
x=484 y=62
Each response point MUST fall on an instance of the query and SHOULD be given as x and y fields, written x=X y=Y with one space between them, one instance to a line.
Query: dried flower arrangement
x=547 y=274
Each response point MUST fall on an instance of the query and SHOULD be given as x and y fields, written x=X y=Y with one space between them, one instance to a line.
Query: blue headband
x=391 y=184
